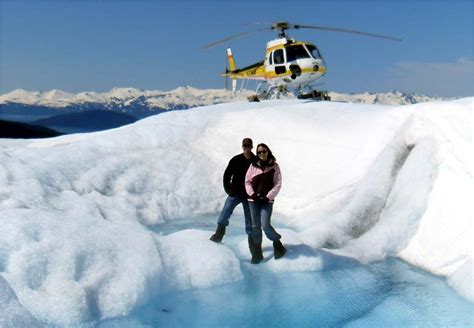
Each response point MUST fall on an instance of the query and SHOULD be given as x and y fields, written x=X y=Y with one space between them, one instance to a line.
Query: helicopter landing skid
x=315 y=95
x=265 y=93
x=253 y=98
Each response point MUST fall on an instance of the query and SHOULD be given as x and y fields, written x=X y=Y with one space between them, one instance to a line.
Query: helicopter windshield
x=295 y=52
x=314 y=51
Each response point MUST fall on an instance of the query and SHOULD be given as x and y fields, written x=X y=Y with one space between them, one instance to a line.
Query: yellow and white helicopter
x=288 y=64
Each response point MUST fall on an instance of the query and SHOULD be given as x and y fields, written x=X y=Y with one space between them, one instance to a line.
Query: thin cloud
x=447 y=79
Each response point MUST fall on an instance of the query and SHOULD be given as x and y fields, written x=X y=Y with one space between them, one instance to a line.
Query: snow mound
x=191 y=261
x=12 y=313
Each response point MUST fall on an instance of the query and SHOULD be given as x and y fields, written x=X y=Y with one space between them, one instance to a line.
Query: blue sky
x=97 y=45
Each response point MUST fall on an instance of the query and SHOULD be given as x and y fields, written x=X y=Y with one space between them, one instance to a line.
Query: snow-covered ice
x=81 y=214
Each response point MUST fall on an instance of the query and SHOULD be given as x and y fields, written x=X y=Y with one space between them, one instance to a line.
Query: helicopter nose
x=319 y=68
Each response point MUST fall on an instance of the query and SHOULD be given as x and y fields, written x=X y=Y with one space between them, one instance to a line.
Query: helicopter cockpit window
x=314 y=51
x=278 y=57
x=296 y=52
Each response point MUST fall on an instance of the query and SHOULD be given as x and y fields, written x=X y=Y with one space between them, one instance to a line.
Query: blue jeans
x=261 y=218
x=230 y=203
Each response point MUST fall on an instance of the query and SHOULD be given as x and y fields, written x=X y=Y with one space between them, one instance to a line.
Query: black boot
x=251 y=246
x=257 y=256
x=220 y=232
x=279 y=249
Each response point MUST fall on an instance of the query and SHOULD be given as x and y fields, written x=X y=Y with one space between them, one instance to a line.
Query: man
x=234 y=186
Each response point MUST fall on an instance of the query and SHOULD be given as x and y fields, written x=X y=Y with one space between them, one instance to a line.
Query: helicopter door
x=279 y=61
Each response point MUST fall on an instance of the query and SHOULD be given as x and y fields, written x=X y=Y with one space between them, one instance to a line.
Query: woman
x=262 y=183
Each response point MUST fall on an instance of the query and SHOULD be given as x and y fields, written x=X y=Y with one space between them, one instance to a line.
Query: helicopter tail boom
x=253 y=72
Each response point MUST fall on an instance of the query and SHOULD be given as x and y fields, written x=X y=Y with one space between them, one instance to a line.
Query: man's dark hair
x=247 y=141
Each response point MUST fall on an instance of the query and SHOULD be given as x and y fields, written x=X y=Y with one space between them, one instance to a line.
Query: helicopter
x=288 y=64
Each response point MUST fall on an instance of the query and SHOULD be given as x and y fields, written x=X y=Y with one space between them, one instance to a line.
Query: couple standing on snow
x=253 y=181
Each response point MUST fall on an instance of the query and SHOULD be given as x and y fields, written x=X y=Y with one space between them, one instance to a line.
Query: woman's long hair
x=270 y=156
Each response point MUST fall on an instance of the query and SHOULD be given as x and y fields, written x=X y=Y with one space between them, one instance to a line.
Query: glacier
x=81 y=214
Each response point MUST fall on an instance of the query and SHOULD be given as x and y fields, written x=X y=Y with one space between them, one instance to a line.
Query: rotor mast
x=281 y=27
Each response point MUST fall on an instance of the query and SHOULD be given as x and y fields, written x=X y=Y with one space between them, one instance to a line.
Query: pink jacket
x=264 y=181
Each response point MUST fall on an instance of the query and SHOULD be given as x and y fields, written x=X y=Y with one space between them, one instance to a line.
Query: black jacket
x=234 y=175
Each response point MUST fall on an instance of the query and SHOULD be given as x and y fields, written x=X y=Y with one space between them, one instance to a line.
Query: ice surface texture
x=366 y=181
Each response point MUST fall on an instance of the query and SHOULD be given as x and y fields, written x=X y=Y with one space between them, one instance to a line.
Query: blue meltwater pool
x=344 y=293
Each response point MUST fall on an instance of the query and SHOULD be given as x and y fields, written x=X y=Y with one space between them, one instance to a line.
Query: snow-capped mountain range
x=185 y=96
x=142 y=103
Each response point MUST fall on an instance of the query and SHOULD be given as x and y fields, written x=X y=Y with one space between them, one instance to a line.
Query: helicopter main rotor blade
x=236 y=36
x=334 y=29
